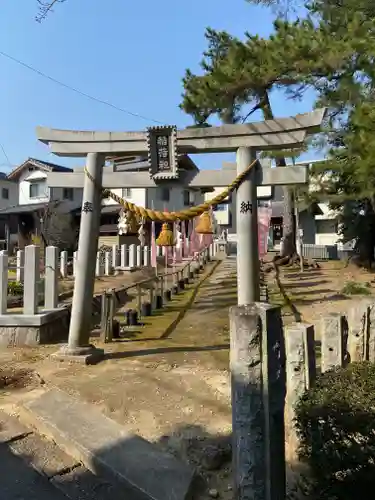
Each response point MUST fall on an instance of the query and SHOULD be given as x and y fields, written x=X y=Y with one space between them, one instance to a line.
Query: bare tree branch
x=45 y=7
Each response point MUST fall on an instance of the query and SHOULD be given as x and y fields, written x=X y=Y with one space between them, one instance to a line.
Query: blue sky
x=132 y=54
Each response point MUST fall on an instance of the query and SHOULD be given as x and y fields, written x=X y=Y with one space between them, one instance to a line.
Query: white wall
x=176 y=198
x=326 y=232
x=24 y=187
x=48 y=193
x=137 y=196
x=221 y=216
x=10 y=188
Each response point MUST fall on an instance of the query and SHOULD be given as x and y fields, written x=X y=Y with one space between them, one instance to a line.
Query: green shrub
x=335 y=421
x=15 y=288
x=355 y=288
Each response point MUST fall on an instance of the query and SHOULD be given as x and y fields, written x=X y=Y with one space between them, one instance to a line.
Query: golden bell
x=204 y=225
x=166 y=237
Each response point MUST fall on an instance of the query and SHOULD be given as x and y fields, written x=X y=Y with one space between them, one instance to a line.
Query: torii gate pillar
x=78 y=347
x=247 y=231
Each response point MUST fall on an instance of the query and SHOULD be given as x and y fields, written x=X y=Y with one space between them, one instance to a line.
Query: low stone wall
x=45 y=328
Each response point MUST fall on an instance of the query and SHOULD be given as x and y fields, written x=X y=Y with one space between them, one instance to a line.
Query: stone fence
x=43 y=282
x=125 y=257
x=344 y=338
x=271 y=368
x=39 y=318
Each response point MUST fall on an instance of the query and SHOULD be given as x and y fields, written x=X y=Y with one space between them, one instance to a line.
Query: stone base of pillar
x=87 y=355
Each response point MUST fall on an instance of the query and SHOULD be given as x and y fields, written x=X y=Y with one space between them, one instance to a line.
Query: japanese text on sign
x=162 y=151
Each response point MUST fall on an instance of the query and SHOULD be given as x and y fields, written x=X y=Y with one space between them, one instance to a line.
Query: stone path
x=33 y=468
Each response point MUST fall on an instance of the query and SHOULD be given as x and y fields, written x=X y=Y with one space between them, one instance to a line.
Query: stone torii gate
x=163 y=144
x=257 y=393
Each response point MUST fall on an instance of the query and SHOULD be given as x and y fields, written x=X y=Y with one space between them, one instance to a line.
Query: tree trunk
x=289 y=223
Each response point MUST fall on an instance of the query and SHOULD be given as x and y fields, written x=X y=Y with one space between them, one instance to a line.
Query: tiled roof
x=44 y=165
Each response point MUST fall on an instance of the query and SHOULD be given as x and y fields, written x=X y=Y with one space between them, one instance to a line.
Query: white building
x=8 y=198
x=8 y=192
x=29 y=195
x=33 y=189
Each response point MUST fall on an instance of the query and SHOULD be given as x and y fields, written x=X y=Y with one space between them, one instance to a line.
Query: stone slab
x=108 y=449
x=82 y=484
x=91 y=357
x=11 y=428
x=42 y=318
x=54 y=328
x=20 y=481
x=43 y=455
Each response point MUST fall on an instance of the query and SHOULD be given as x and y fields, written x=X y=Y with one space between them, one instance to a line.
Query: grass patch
x=355 y=288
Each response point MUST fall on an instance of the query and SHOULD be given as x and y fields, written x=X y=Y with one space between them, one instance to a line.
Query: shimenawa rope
x=187 y=214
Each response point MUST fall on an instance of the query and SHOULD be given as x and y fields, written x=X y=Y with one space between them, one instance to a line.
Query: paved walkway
x=19 y=481
x=34 y=468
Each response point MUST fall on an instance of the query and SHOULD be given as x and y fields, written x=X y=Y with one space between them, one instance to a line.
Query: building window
x=187 y=198
x=68 y=194
x=220 y=208
x=126 y=192
x=5 y=193
x=165 y=194
x=38 y=189
x=326 y=226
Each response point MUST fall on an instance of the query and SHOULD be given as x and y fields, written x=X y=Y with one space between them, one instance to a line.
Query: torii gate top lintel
x=265 y=135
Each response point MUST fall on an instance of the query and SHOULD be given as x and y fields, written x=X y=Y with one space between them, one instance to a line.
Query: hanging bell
x=204 y=225
x=166 y=237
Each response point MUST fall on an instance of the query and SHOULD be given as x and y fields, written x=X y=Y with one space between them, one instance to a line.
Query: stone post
x=257 y=364
x=107 y=263
x=132 y=256
x=146 y=256
x=51 y=278
x=358 y=331
x=78 y=347
x=300 y=375
x=212 y=250
x=75 y=254
x=371 y=333
x=3 y=282
x=247 y=231
x=98 y=265
x=187 y=248
x=139 y=256
x=20 y=272
x=64 y=264
x=333 y=342
x=124 y=256
x=32 y=280
x=114 y=256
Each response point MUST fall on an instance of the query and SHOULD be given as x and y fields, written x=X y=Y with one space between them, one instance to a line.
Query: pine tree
x=240 y=73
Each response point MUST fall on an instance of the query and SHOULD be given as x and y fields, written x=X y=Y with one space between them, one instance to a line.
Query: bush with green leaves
x=335 y=421
x=15 y=288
